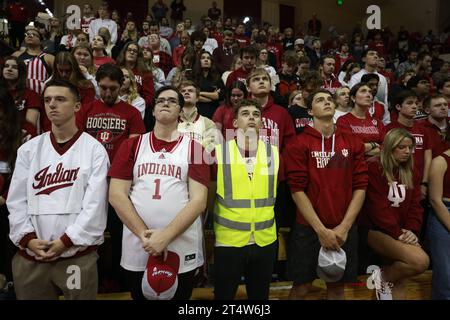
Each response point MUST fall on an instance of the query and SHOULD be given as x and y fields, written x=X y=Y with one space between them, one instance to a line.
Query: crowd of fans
x=379 y=81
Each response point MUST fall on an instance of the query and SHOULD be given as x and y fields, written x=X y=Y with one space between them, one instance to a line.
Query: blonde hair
x=292 y=96
x=390 y=166
x=132 y=90
x=258 y=72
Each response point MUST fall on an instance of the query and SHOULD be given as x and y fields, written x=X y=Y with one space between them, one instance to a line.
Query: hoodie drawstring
x=332 y=145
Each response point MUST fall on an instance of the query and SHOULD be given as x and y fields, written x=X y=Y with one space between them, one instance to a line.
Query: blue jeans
x=439 y=240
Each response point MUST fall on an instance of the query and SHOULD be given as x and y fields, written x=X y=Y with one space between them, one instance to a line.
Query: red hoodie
x=328 y=182
x=331 y=85
x=278 y=124
x=237 y=75
x=390 y=208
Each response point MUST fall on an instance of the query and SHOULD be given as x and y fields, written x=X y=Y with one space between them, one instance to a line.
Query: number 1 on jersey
x=157 y=196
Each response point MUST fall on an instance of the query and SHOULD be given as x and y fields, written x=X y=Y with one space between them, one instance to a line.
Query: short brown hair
x=290 y=58
x=189 y=83
x=310 y=99
x=246 y=103
x=427 y=101
x=228 y=33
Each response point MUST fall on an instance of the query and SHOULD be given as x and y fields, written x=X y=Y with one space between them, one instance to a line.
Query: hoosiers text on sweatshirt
x=328 y=170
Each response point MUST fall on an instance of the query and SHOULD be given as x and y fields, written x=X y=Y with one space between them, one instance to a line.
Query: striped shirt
x=37 y=71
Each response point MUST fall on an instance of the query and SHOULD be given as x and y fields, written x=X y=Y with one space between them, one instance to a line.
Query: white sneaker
x=383 y=288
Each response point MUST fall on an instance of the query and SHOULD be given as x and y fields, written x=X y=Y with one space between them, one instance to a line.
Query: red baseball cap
x=160 y=280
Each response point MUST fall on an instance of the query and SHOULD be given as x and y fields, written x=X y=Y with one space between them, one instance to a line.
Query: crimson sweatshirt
x=144 y=81
x=436 y=137
x=277 y=127
x=390 y=207
x=237 y=75
x=328 y=179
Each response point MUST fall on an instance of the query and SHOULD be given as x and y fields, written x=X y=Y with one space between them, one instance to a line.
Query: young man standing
x=103 y=21
x=224 y=54
x=277 y=129
x=421 y=86
x=248 y=56
x=406 y=105
x=191 y=123
x=111 y=121
x=247 y=174
x=444 y=88
x=370 y=59
x=323 y=155
x=277 y=124
x=159 y=187
x=330 y=82
x=437 y=123
x=57 y=201
x=289 y=80
x=409 y=64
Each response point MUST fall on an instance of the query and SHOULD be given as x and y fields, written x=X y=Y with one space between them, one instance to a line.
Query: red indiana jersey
x=328 y=170
x=390 y=207
x=277 y=126
x=110 y=125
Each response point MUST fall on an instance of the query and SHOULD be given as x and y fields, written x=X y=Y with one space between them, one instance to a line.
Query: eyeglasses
x=132 y=50
x=170 y=101
x=31 y=35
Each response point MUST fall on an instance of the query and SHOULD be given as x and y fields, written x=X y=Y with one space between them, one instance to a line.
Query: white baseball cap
x=331 y=264
x=160 y=280
x=299 y=41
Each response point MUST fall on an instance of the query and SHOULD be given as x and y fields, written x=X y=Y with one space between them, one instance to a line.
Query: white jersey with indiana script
x=159 y=192
x=60 y=190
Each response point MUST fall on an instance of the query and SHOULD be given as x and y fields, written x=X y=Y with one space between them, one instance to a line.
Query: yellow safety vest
x=245 y=206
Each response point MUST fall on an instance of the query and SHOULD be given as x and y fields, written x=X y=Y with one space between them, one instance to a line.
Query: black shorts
x=304 y=249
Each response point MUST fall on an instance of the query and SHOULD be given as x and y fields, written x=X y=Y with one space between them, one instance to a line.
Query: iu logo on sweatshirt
x=48 y=182
x=397 y=194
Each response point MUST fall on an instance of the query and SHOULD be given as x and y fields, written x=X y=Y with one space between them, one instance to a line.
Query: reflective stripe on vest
x=228 y=201
x=242 y=226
